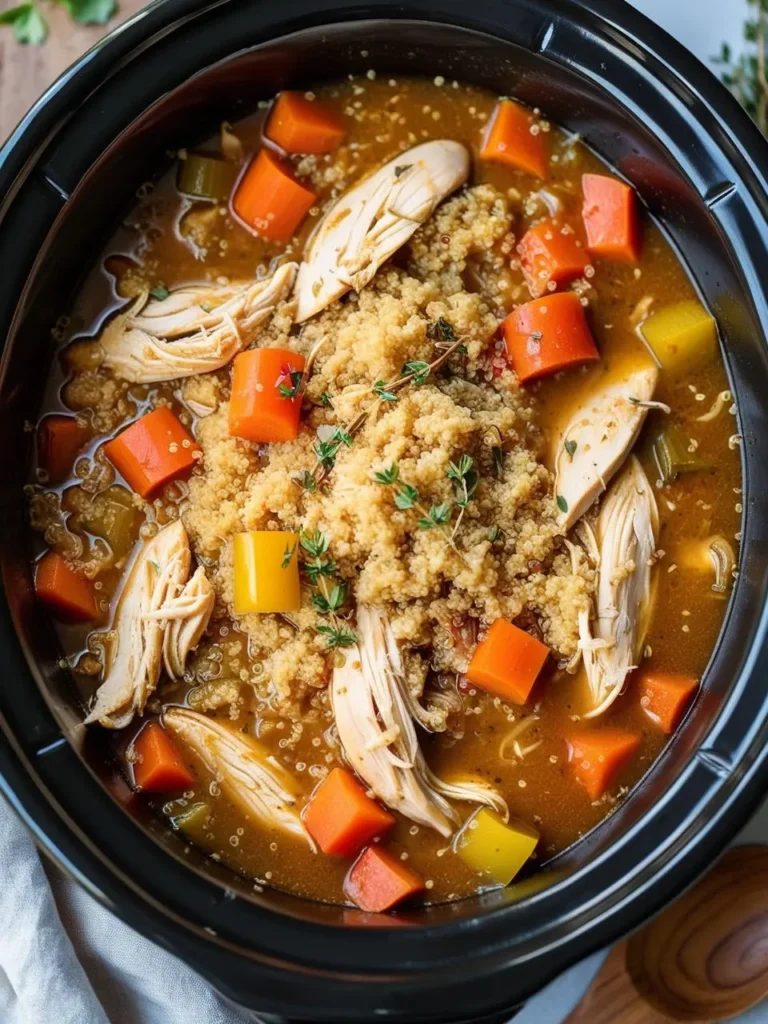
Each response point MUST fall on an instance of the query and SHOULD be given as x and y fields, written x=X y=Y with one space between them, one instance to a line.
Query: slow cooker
x=70 y=172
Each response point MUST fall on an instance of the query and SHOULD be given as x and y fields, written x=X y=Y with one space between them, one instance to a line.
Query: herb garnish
x=570 y=447
x=415 y=372
x=497 y=454
x=325 y=399
x=402 y=168
x=441 y=330
x=338 y=636
x=287 y=556
x=333 y=600
x=465 y=476
x=308 y=482
x=418 y=370
x=330 y=596
x=295 y=377
x=159 y=293
x=562 y=504
x=380 y=390
x=438 y=515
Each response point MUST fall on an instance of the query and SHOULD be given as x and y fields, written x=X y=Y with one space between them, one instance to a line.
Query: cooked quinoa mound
x=499 y=556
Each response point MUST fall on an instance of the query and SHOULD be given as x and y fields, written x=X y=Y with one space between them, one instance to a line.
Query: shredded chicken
x=373 y=713
x=160 y=618
x=626 y=537
x=368 y=224
x=597 y=440
x=193 y=330
x=249 y=776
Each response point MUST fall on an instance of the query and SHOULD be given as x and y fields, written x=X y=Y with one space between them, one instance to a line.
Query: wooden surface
x=27 y=71
x=705 y=958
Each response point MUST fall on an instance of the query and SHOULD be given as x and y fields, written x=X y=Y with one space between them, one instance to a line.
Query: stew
x=390 y=492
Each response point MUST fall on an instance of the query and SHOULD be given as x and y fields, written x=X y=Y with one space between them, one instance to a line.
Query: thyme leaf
x=388 y=475
x=441 y=330
x=160 y=292
x=406 y=497
x=418 y=369
x=338 y=636
x=562 y=504
x=380 y=390
x=287 y=556
x=286 y=391
x=438 y=515
x=315 y=543
x=570 y=447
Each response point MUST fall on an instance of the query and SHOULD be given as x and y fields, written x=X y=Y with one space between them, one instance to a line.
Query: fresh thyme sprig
x=438 y=515
x=465 y=476
x=330 y=595
x=415 y=372
x=745 y=75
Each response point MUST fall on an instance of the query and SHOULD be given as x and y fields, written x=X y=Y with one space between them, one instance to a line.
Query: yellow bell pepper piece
x=488 y=845
x=266 y=569
x=681 y=336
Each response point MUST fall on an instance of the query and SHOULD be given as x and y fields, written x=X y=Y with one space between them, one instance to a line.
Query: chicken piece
x=249 y=776
x=368 y=224
x=193 y=330
x=160 y=618
x=378 y=735
x=625 y=536
x=598 y=439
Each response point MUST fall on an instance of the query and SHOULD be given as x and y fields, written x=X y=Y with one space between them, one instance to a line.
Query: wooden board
x=27 y=71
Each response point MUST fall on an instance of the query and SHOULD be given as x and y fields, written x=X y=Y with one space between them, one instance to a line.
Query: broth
x=170 y=241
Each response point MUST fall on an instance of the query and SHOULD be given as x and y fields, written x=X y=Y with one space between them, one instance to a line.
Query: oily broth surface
x=385 y=115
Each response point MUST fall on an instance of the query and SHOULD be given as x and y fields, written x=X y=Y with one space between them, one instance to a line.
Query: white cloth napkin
x=65 y=959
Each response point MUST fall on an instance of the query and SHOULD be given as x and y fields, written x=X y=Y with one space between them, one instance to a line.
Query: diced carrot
x=611 y=218
x=270 y=199
x=158 y=767
x=547 y=335
x=69 y=595
x=59 y=439
x=378 y=882
x=265 y=403
x=153 y=451
x=513 y=138
x=548 y=254
x=665 y=697
x=342 y=818
x=598 y=757
x=507 y=662
x=299 y=125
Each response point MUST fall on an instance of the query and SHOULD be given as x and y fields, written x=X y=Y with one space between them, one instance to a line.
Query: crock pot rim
x=35 y=131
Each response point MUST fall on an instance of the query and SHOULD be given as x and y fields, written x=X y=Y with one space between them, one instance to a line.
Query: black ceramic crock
x=68 y=174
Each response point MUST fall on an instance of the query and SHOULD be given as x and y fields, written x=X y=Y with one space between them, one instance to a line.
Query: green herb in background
x=745 y=75
x=31 y=28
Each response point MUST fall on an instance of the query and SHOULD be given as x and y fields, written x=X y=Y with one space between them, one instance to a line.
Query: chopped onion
x=512 y=740
x=723 y=399
x=724 y=561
